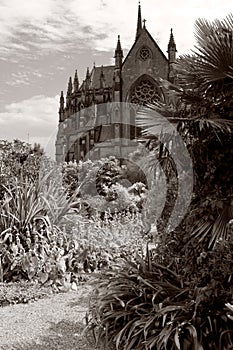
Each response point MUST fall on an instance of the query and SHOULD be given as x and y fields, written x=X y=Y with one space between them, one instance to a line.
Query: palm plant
x=203 y=116
x=181 y=298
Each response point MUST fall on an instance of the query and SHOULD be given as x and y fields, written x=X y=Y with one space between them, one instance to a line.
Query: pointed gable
x=144 y=57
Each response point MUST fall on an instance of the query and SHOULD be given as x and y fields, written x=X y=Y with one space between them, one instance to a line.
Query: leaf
x=61 y=264
x=31 y=272
x=1 y=271
x=120 y=335
x=193 y=333
x=42 y=276
x=177 y=340
x=121 y=301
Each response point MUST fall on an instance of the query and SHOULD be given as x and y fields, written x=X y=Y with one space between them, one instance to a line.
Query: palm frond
x=214 y=231
x=212 y=59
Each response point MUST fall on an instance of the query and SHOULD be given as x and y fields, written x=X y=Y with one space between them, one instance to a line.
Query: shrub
x=31 y=217
x=145 y=305
x=18 y=159
x=43 y=238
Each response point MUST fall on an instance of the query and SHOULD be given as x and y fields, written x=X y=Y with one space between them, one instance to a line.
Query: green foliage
x=211 y=69
x=116 y=230
x=203 y=116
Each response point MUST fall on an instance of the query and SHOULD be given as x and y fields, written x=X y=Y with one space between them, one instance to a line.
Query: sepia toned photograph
x=116 y=150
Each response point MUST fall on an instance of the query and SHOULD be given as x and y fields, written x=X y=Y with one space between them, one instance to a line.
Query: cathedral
x=97 y=118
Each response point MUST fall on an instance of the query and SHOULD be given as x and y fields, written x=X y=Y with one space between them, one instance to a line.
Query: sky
x=43 y=42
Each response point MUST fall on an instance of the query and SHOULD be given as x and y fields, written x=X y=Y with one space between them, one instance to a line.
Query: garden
x=64 y=225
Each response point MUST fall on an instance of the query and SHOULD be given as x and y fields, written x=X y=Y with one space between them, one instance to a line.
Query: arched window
x=144 y=92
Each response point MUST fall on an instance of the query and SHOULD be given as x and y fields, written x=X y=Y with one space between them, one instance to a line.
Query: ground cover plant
x=23 y=292
x=180 y=297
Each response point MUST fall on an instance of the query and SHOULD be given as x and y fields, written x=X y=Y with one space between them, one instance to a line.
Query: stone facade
x=93 y=121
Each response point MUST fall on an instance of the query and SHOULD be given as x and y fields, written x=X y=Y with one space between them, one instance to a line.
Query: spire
x=76 y=82
x=61 y=109
x=83 y=92
x=70 y=87
x=88 y=79
x=118 y=48
x=88 y=73
x=171 y=44
x=118 y=53
x=139 y=23
x=69 y=92
x=62 y=101
x=171 y=58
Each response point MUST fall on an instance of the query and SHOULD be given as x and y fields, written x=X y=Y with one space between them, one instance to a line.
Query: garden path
x=55 y=322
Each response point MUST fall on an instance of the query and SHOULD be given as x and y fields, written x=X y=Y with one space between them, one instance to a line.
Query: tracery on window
x=145 y=53
x=145 y=92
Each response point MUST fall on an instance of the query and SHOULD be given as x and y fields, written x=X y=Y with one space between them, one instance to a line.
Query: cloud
x=41 y=27
x=22 y=78
x=33 y=28
x=19 y=78
x=34 y=119
x=42 y=40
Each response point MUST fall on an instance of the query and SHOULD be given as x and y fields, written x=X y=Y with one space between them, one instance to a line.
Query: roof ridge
x=102 y=66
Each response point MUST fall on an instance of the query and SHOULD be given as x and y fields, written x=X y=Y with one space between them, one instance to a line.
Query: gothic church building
x=92 y=122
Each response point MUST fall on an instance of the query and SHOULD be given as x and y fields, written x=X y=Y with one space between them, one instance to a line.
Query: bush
x=18 y=159
x=43 y=238
x=31 y=217
x=103 y=185
x=145 y=305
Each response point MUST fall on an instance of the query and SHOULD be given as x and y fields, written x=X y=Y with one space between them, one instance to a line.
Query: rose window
x=145 y=92
x=144 y=53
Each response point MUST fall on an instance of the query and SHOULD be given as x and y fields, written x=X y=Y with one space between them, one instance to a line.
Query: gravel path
x=55 y=322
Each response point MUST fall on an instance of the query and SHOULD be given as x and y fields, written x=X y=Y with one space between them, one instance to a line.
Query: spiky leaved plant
x=144 y=305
